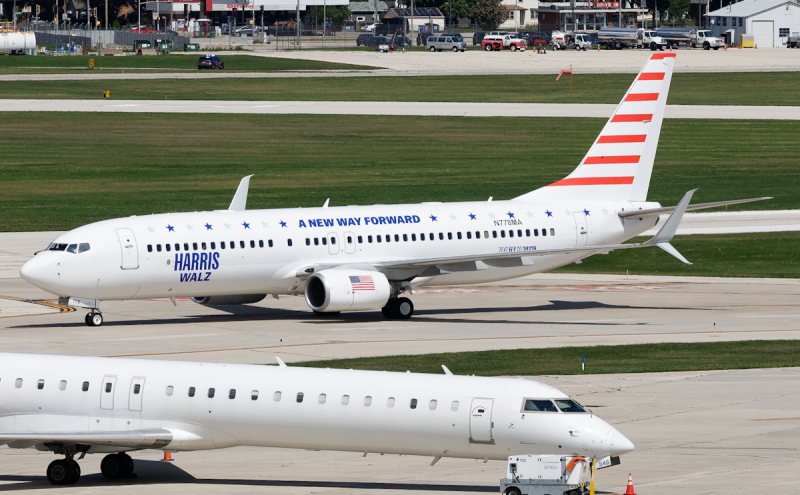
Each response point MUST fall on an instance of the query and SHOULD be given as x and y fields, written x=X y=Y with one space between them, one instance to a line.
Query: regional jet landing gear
x=67 y=471
x=94 y=319
x=399 y=308
x=117 y=466
x=63 y=471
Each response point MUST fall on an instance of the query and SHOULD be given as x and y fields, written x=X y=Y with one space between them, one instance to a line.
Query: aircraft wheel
x=63 y=472
x=87 y=320
x=403 y=308
x=387 y=312
x=94 y=319
x=113 y=466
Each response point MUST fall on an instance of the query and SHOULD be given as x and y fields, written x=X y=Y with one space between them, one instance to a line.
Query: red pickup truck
x=499 y=42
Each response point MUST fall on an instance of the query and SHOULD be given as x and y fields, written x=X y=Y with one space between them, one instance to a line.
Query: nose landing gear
x=94 y=319
x=400 y=308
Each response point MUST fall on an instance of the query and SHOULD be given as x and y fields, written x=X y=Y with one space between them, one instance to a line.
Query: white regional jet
x=365 y=257
x=78 y=405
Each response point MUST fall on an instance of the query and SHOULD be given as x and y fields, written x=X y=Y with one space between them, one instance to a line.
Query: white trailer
x=546 y=475
x=619 y=38
x=16 y=43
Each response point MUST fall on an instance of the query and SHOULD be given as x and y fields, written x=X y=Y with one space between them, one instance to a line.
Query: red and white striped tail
x=620 y=162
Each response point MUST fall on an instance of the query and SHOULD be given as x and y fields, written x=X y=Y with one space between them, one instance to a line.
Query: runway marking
x=62 y=309
x=776 y=419
x=397 y=341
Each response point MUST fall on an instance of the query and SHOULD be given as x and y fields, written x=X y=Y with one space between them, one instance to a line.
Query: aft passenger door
x=135 y=394
x=581 y=229
x=130 y=253
x=107 y=392
x=480 y=421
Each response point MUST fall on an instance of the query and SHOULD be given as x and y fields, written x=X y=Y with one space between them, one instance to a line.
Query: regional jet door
x=581 y=229
x=135 y=394
x=130 y=254
x=480 y=421
x=107 y=392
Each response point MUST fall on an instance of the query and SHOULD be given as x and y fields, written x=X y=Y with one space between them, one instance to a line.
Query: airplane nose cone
x=36 y=271
x=618 y=443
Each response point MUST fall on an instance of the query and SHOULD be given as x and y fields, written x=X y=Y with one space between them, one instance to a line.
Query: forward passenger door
x=480 y=421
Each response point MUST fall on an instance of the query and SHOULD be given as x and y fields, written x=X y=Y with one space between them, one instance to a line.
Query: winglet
x=326 y=203
x=446 y=370
x=281 y=364
x=240 y=198
x=671 y=250
x=671 y=225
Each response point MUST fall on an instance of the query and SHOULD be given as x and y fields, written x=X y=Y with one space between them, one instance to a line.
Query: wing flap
x=145 y=438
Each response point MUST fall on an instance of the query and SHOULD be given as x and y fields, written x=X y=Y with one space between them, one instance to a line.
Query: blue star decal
x=586 y=212
x=471 y=216
x=433 y=218
x=549 y=213
x=208 y=227
x=246 y=225
x=510 y=215
x=283 y=224
x=170 y=228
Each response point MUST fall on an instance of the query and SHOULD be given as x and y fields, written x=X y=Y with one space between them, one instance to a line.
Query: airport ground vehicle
x=401 y=41
x=577 y=41
x=793 y=41
x=618 y=38
x=500 y=41
x=689 y=37
x=210 y=62
x=439 y=43
x=362 y=39
x=546 y=474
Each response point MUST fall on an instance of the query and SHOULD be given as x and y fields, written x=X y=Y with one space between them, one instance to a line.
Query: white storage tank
x=17 y=43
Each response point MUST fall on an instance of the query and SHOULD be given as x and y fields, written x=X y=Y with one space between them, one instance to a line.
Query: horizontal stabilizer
x=698 y=206
x=240 y=198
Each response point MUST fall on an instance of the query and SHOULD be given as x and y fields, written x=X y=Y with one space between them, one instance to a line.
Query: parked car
x=402 y=41
x=477 y=38
x=455 y=36
x=439 y=43
x=370 y=27
x=142 y=29
x=210 y=62
x=363 y=39
x=377 y=41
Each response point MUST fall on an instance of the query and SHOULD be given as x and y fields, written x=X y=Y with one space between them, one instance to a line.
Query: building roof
x=368 y=6
x=420 y=12
x=748 y=8
x=514 y=7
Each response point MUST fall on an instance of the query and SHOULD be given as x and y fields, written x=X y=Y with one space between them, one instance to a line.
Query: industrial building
x=769 y=21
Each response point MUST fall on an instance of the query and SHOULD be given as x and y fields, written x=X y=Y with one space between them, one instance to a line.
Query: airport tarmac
x=442 y=109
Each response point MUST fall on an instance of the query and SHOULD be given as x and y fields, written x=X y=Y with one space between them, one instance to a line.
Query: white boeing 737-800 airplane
x=365 y=257
x=78 y=405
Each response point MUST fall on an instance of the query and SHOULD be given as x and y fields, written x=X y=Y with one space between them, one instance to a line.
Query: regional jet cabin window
x=569 y=406
x=213 y=246
x=40 y=384
x=222 y=245
x=83 y=247
x=441 y=236
x=390 y=402
x=539 y=405
x=299 y=397
x=432 y=405
x=185 y=246
x=379 y=238
x=369 y=239
x=544 y=232
x=345 y=400
x=454 y=405
x=211 y=392
x=73 y=248
x=233 y=245
x=177 y=247
x=109 y=385
x=527 y=232
x=252 y=244
x=502 y=233
x=194 y=246
x=232 y=393
x=494 y=234
x=368 y=401
x=405 y=238
x=241 y=244
x=308 y=241
x=167 y=247
x=388 y=238
x=203 y=246
x=322 y=398
x=349 y=239
x=289 y=241
x=261 y=243
x=18 y=383
x=270 y=242
x=449 y=236
x=324 y=241
x=149 y=248
x=469 y=235
x=276 y=396
x=170 y=390
x=254 y=395
x=62 y=385
x=360 y=240
x=552 y=231
x=85 y=387
x=413 y=404
x=158 y=247
x=137 y=388
x=519 y=233
x=191 y=391
x=397 y=238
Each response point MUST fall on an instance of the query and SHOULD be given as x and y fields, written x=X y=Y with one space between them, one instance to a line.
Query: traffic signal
x=235 y=9
x=38 y=10
x=94 y=12
x=261 y=8
x=186 y=10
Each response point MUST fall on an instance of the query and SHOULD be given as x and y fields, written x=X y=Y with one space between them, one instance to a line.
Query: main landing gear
x=117 y=466
x=400 y=308
x=63 y=471
x=94 y=319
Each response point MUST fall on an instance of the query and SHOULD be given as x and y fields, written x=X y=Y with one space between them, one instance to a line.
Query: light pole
x=139 y=14
x=516 y=16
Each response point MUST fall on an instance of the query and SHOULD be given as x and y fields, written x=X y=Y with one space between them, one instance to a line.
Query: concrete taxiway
x=452 y=109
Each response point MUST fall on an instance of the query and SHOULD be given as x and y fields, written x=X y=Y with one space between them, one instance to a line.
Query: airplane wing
x=699 y=206
x=137 y=439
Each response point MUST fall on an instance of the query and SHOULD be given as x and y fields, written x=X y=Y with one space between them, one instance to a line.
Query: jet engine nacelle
x=228 y=300
x=347 y=290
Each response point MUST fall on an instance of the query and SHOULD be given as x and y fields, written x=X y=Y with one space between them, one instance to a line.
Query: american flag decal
x=362 y=283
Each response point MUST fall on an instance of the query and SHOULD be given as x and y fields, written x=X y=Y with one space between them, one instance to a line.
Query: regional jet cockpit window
x=57 y=247
x=84 y=246
x=539 y=405
x=72 y=248
x=569 y=406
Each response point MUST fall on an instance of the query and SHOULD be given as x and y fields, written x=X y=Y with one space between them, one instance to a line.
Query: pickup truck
x=501 y=41
x=563 y=41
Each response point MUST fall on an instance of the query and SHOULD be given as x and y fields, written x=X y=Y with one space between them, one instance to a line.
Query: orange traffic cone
x=630 y=491
x=725 y=49
x=167 y=456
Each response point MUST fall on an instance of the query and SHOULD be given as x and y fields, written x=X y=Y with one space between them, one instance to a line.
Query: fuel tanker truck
x=16 y=43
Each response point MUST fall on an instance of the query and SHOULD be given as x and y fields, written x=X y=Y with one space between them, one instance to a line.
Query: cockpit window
x=540 y=405
x=83 y=247
x=72 y=248
x=569 y=406
x=58 y=247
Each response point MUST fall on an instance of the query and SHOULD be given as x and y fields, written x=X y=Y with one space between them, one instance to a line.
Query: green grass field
x=62 y=170
x=171 y=63
x=747 y=88
x=634 y=358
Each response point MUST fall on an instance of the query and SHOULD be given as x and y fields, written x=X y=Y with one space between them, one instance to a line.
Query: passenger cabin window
x=191 y=391
x=413 y=404
x=18 y=383
x=345 y=400
x=254 y=395
x=149 y=248
x=232 y=393
x=454 y=405
x=203 y=246
x=85 y=387
x=194 y=246
x=276 y=397
x=137 y=388
x=213 y=246
x=158 y=247
x=289 y=241
x=40 y=384
x=432 y=405
x=170 y=390
x=552 y=231
x=62 y=385
x=540 y=405
x=299 y=397
x=368 y=400
x=108 y=387
x=241 y=244
x=569 y=406
x=252 y=244
x=390 y=402
x=322 y=398
x=211 y=392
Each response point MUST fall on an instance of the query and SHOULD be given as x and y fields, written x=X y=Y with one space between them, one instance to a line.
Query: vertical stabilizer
x=619 y=164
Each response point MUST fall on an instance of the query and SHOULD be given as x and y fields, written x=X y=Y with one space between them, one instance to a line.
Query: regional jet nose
x=618 y=443
x=36 y=271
